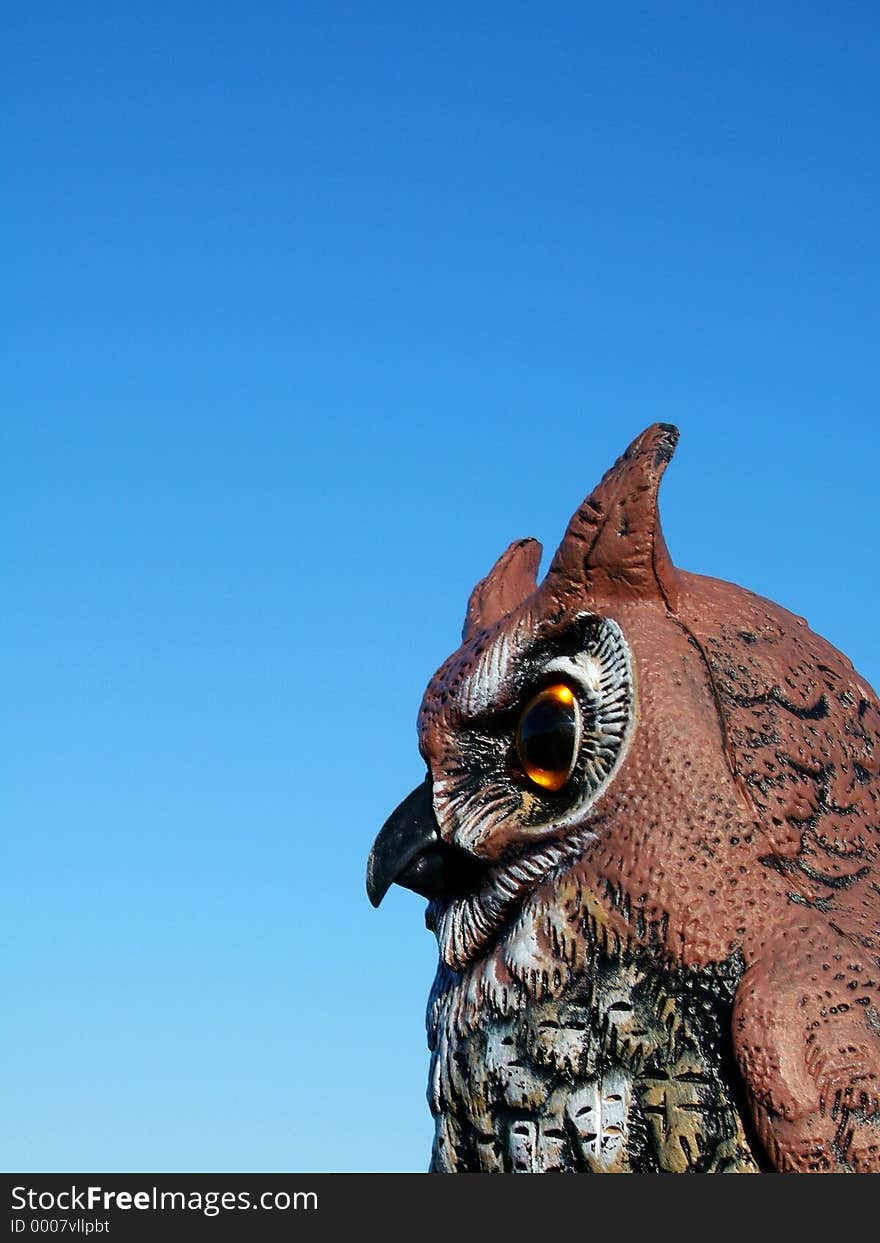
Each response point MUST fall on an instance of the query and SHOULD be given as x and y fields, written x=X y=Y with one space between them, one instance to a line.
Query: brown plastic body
x=738 y=836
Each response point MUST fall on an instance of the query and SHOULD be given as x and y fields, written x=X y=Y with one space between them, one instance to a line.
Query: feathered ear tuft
x=614 y=547
x=513 y=577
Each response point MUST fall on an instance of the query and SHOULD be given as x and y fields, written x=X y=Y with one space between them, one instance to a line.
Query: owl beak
x=410 y=852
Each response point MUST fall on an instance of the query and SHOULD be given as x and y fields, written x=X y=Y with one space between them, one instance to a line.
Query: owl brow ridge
x=487 y=687
x=496 y=679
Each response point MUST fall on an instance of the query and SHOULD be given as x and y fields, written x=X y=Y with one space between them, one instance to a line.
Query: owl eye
x=547 y=736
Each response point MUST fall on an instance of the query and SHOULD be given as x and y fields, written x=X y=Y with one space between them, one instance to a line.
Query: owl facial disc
x=522 y=737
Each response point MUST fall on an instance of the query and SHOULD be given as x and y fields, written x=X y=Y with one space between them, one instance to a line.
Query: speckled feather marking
x=802 y=734
x=610 y=1067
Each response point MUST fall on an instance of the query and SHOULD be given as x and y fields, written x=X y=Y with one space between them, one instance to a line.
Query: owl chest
x=624 y=1069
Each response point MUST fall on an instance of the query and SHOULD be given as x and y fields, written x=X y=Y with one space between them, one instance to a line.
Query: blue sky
x=311 y=309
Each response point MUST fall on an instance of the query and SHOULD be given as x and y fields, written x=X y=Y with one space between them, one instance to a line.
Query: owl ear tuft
x=513 y=577
x=614 y=547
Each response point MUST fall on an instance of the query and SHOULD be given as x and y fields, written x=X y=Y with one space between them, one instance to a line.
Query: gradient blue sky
x=309 y=309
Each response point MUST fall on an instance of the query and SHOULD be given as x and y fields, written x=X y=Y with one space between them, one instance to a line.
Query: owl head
x=661 y=734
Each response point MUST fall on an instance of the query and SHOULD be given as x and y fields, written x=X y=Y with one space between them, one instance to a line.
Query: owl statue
x=648 y=838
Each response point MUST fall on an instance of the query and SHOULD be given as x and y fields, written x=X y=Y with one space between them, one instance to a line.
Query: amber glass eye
x=547 y=736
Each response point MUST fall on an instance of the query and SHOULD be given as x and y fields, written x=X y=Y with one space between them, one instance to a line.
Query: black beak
x=410 y=852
